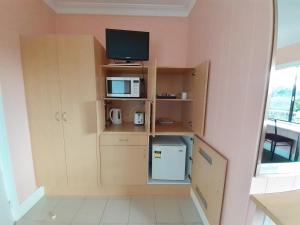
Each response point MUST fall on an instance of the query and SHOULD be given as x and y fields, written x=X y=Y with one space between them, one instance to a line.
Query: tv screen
x=127 y=45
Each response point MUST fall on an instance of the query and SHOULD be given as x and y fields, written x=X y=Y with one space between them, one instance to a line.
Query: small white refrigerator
x=168 y=158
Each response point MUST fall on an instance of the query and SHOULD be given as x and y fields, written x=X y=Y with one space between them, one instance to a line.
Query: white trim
x=17 y=209
x=21 y=209
x=121 y=8
x=199 y=208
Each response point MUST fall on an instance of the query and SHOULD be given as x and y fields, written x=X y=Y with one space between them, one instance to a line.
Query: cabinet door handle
x=57 y=116
x=205 y=156
x=64 y=116
x=123 y=139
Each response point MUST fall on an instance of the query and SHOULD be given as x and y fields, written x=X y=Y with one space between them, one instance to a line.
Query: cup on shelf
x=183 y=95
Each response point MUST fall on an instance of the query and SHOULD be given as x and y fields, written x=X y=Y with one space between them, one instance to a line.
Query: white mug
x=115 y=116
x=183 y=95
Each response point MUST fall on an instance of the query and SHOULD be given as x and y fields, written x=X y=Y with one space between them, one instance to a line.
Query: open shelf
x=175 y=70
x=173 y=129
x=173 y=100
x=126 y=99
x=185 y=181
x=126 y=69
x=124 y=128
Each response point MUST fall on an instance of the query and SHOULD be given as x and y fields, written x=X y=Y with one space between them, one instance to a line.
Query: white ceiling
x=288 y=22
x=179 y=8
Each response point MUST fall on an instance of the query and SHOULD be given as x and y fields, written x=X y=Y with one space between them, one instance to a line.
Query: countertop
x=283 y=208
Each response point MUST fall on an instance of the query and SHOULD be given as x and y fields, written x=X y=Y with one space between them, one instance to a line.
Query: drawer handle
x=123 y=139
x=202 y=199
x=205 y=156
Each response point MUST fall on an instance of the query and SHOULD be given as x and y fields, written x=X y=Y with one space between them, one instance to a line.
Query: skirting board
x=21 y=209
x=199 y=208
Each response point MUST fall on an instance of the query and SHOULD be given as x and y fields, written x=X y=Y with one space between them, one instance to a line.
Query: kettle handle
x=111 y=114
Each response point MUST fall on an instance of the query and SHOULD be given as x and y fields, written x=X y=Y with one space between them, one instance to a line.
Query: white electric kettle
x=115 y=116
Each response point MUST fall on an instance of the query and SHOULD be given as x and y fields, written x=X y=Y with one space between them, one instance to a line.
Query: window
x=285 y=96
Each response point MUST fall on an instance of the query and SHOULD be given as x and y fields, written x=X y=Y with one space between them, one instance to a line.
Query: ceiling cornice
x=121 y=9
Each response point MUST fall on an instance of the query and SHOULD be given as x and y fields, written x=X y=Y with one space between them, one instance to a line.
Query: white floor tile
x=142 y=211
x=91 y=210
x=66 y=209
x=86 y=224
x=188 y=211
x=167 y=210
x=29 y=222
x=54 y=223
x=116 y=211
x=42 y=210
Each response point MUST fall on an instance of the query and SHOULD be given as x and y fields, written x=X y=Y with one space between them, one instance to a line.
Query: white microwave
x=124 y=87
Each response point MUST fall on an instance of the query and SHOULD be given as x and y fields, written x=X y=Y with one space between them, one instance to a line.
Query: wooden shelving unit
x=126 y=99
x=173 y=129
x=173 y=100
x=158 y=80
x=128 y=105
x=127 y=69
x=124 y=128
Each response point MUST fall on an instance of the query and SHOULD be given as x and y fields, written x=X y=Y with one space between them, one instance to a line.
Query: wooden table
x=283 y=208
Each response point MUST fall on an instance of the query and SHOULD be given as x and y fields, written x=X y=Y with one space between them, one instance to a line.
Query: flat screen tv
x=127 y=45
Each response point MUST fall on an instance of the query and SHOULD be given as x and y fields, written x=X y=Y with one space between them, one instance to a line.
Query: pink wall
x=19 y=17
x=236 y=36
x=288 y=54
x=168 y=36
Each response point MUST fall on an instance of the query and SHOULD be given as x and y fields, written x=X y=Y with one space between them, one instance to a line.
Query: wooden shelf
x=174 y=70
x=126 y=99
x=186 y=181
x=173 y=100
x=173 y=129
x=127 y=69
x=125 y=128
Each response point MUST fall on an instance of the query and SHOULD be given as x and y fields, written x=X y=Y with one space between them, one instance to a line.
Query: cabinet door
x=199 y=92
x=208 y=179
x=123 y=165
x=152 y=95
x=40 y=71
x=76 y=59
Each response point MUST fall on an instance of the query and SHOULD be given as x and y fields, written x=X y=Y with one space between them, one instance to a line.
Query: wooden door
x=123 y=165
x=152 y=78
x=76 y=57
x=40 y=71
x=208 y=179
x=199 y=92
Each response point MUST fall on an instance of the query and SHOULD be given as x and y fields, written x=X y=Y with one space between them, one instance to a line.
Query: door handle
x=64 y=116
x=57 y=117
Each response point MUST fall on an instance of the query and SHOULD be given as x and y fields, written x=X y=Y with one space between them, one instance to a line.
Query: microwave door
x=118 y=88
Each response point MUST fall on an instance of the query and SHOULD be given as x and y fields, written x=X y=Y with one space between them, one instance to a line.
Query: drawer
x=123 y=139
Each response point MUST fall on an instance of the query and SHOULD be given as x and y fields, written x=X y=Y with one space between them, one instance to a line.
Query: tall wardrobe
x=61 y=110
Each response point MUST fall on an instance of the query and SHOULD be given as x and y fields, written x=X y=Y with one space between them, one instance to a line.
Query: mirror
x=280 y=140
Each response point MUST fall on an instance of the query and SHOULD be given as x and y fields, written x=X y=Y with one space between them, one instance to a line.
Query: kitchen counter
x=283 y=208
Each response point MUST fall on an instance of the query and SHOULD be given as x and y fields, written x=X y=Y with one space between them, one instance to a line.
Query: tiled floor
x=113 y=211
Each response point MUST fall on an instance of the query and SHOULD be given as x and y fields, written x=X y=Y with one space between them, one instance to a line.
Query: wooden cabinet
x=188 y=114
x=40 y=68
x=60 y=84
x=76 y=59
x=124 y=165
x=123 y=159
x=123 y=139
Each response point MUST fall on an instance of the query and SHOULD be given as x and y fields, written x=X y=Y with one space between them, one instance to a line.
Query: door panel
x=40 y=71
x=208 y=181
x=199 y=92
x=152 y=95
x=123 y=165
x=78 y=87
